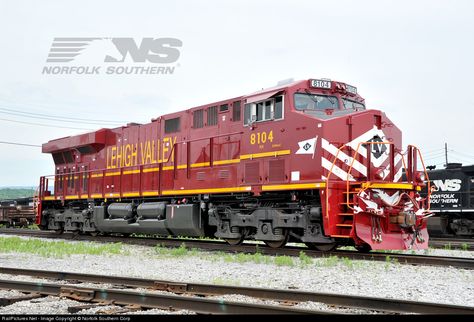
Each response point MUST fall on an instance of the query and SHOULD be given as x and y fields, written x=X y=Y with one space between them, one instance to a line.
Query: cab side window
x=267 y=110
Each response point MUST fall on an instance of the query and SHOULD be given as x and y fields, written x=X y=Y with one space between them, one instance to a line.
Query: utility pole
x=446 y=154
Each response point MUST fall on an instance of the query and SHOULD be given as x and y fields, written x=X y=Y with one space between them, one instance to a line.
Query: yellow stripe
x=314 y=185
x=131 y=171
x=265 y=154
x=406 y=186
x=72 y=197
x=84 y=196
x=149 y=193
x=226 y=161
x=111 y=194
x=109 y=174
x=151 y=170
x=96 y=195
x=49 y=198
x=202 y=164
x=131 y=194
x=215 y=190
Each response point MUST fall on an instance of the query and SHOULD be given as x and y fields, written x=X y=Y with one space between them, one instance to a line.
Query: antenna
x=446 y=153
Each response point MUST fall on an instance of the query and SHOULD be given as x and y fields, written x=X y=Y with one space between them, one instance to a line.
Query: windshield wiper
x=328 y=97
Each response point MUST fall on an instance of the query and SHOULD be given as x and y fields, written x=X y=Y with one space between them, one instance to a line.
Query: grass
x=464 y=246
x=180 y=251
x=305 y=260
x=56 y=248
x=241 y=258
x=257 y=258
x=389 y=261
x=329 y=261
x=284 y=261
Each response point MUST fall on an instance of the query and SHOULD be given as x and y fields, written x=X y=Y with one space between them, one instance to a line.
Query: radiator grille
x=223 y=174
x=200 y=176
x=252 y=174
x=276 y=170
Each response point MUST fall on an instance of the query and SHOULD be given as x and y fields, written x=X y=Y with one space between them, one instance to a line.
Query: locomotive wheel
x=234 y=241
x=278 y=243
x=444 y=225
x=322 y=247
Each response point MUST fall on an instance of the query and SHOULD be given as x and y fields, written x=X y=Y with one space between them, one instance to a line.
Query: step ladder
x=345 y=217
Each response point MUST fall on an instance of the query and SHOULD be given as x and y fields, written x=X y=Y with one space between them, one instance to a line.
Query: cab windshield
x=315 y=102
x=352 y=105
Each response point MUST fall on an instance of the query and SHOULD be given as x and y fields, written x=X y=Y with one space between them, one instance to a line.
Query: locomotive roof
x=466 y=168
x=98 y=137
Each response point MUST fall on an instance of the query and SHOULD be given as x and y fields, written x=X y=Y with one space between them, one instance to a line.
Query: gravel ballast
x=331 y=275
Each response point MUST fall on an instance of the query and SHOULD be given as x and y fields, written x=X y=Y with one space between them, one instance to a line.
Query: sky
x=411 y=59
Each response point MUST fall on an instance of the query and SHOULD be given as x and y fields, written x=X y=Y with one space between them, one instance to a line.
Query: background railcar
x=19 y=212
x=303 y=161
x=452 y=200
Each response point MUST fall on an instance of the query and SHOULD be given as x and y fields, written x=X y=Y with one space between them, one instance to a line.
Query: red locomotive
x=303 y=162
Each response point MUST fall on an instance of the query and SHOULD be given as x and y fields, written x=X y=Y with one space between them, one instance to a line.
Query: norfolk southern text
x=109 y=70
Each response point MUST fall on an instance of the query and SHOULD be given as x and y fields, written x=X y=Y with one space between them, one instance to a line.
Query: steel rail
x=452 y=243
x=213 y=245
x=364 y=302
x=151 y=300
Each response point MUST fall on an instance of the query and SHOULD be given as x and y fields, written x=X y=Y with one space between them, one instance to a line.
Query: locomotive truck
x=303 y=162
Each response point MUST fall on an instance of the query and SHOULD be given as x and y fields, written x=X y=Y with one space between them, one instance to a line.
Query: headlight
x=420 y=176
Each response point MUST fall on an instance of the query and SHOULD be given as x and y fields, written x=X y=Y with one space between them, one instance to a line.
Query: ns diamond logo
x=113 y=56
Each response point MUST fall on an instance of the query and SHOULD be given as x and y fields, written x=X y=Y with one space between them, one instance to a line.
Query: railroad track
x=452 y=243
x=214 y=245
x=196 y=293
x=148 y=300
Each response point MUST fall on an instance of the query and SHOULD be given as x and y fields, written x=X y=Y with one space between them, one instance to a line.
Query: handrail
x=353 y=157
x=428 y=194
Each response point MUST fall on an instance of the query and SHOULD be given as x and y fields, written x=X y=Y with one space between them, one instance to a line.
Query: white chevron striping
x=341 y=174
x=343 y=157
x=398 y=175
x=396 y=162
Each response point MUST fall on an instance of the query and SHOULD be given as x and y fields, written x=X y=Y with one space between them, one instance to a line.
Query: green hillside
x=13 y=193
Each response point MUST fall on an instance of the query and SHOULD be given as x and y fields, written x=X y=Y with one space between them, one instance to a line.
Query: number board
x=321 y=83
